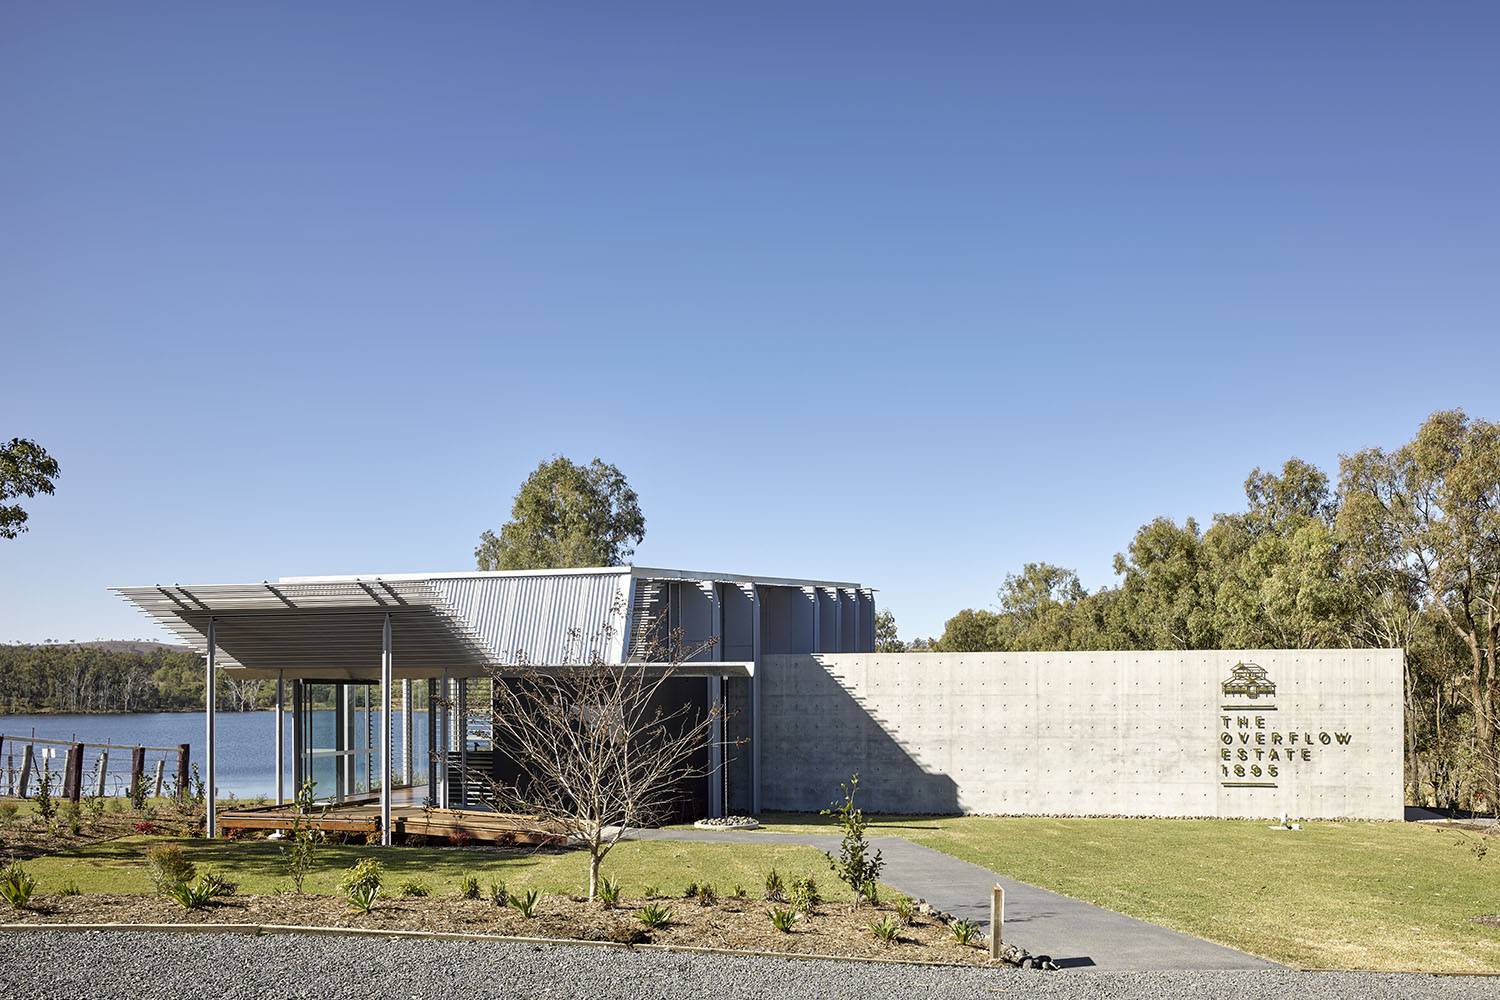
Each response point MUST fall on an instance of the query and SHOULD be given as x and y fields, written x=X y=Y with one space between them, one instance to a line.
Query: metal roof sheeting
x=545 y=619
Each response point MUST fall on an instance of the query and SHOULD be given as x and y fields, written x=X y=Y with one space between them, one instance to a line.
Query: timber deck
x=363 y=816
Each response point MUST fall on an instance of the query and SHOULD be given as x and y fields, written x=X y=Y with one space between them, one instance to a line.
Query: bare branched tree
x=599 y=746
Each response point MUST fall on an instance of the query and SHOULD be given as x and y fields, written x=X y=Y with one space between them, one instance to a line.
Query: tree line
x=75 y=678
x=1404 y=551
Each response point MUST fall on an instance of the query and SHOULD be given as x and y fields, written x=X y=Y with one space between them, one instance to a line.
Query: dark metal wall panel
x=828 y=621
x=866 y=622
x=738 y=642
x=848 y=621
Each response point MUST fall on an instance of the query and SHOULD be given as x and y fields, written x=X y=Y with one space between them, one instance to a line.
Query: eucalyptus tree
x=567 y=515
x=25 y=470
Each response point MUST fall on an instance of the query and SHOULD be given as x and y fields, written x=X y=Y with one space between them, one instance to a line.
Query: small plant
x=739 y=891
x=146 y=827
x=906 y=910
x=468 y=887
x=526 y=905
x=775 y=888
x=362 y=896
x=609 y=893
x=462 y=838
x=138 y=793
x=498 y=895
x=72 y=817
x=886 y=929
x=870 y=894
x=706 y=896
x=412 y=887
x=46 y=805
x=365 y=873
x=16 y=885
x=218 y=884
x=93 y=808
x=8 y=811
x=70 y=888
x=783 y=918
x=298 y=855
x=691 y=892
x=192 y=897
x=167 y=868
x=964 y=931
x=803 y=894
x=854 y=865
x=651 y=891
x=655 y=915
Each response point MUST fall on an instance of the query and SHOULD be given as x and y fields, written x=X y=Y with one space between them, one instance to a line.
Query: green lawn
x=1392 y=896
x=118 y=866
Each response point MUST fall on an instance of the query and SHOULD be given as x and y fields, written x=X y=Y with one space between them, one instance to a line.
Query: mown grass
x=119 y=866
x=1387 y=896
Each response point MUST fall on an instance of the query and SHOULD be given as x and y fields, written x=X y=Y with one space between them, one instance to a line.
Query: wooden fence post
x=997 y=917
x=137 y=771
x=183 y=792
x=161 y=772
x=74 y=776
x=28 y=761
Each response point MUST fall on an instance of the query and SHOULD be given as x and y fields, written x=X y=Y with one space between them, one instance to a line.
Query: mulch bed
x=733 y=923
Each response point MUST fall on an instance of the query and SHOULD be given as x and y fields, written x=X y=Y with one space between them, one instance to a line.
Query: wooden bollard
x=997 y=918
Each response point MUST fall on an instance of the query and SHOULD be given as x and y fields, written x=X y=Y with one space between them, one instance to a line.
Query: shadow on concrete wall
x=816 y=733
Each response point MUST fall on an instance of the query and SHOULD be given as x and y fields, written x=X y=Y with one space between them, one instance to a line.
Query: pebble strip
x=105 y=965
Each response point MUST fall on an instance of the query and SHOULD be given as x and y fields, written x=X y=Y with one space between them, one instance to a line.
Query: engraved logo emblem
x=1249 y=680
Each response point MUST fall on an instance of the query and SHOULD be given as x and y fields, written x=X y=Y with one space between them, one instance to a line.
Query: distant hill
x=114 y=675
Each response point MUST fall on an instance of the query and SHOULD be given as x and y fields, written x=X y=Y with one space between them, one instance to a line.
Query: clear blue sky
x=907 y=294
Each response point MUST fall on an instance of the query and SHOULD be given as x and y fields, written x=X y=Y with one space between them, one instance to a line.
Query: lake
x=246 y=759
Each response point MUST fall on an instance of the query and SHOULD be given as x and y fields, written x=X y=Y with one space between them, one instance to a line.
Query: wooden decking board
x=364 y=817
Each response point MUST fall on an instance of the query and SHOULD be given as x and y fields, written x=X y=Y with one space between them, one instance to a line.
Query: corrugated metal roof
x=542 y=618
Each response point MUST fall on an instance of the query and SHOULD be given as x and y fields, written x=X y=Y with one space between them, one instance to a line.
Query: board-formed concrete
x=1244 y=733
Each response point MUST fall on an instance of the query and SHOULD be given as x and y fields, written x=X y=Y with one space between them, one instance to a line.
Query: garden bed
x=839 y=929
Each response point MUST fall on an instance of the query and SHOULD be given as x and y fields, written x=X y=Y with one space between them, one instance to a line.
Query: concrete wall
x=1114 y=733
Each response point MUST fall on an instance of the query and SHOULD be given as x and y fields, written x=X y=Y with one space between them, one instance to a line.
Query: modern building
x=1313 y=733
x=359 y=644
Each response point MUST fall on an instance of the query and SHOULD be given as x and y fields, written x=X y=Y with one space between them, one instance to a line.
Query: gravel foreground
x=101 y=965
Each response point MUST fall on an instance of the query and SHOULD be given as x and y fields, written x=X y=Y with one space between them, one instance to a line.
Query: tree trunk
x=594 y=860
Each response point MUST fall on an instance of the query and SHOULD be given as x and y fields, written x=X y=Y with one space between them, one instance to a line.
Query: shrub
x=803 y=894
x=46 y=805
x=219 y=885
x=462 y=838
x=775 y=888
x=8 y=811
x=706 y=895
x=412 y=887
x=362 y=895
x=655 y=915
x=167 y=868
x=783 y=918
x=691 y=892
x=609 y=893
x=854 y=866
x=498 y=895
x=16 y=885
x=298 y=855
x=739 y=891
x=526 y=905
x=652 y=891
x=468 y=887
x=963 y=931
x=906 y=910
x=886 y=929
x=191 y=897
x=365 y=873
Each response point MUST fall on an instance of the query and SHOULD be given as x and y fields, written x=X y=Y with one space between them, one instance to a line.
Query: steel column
x=210 y=827
x=385 y=733
x=408 y=770
x=280 y=737
x=755 y=702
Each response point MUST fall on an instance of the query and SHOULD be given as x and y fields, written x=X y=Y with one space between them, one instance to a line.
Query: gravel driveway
x=136 y=966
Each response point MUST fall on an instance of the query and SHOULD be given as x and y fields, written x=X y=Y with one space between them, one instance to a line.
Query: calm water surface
x=246 y=760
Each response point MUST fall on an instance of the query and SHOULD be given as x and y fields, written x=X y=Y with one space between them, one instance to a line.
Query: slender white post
x=407 y=729
x=385 y=733
x=210 y=827
x=444 y=742
x=280 y=737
